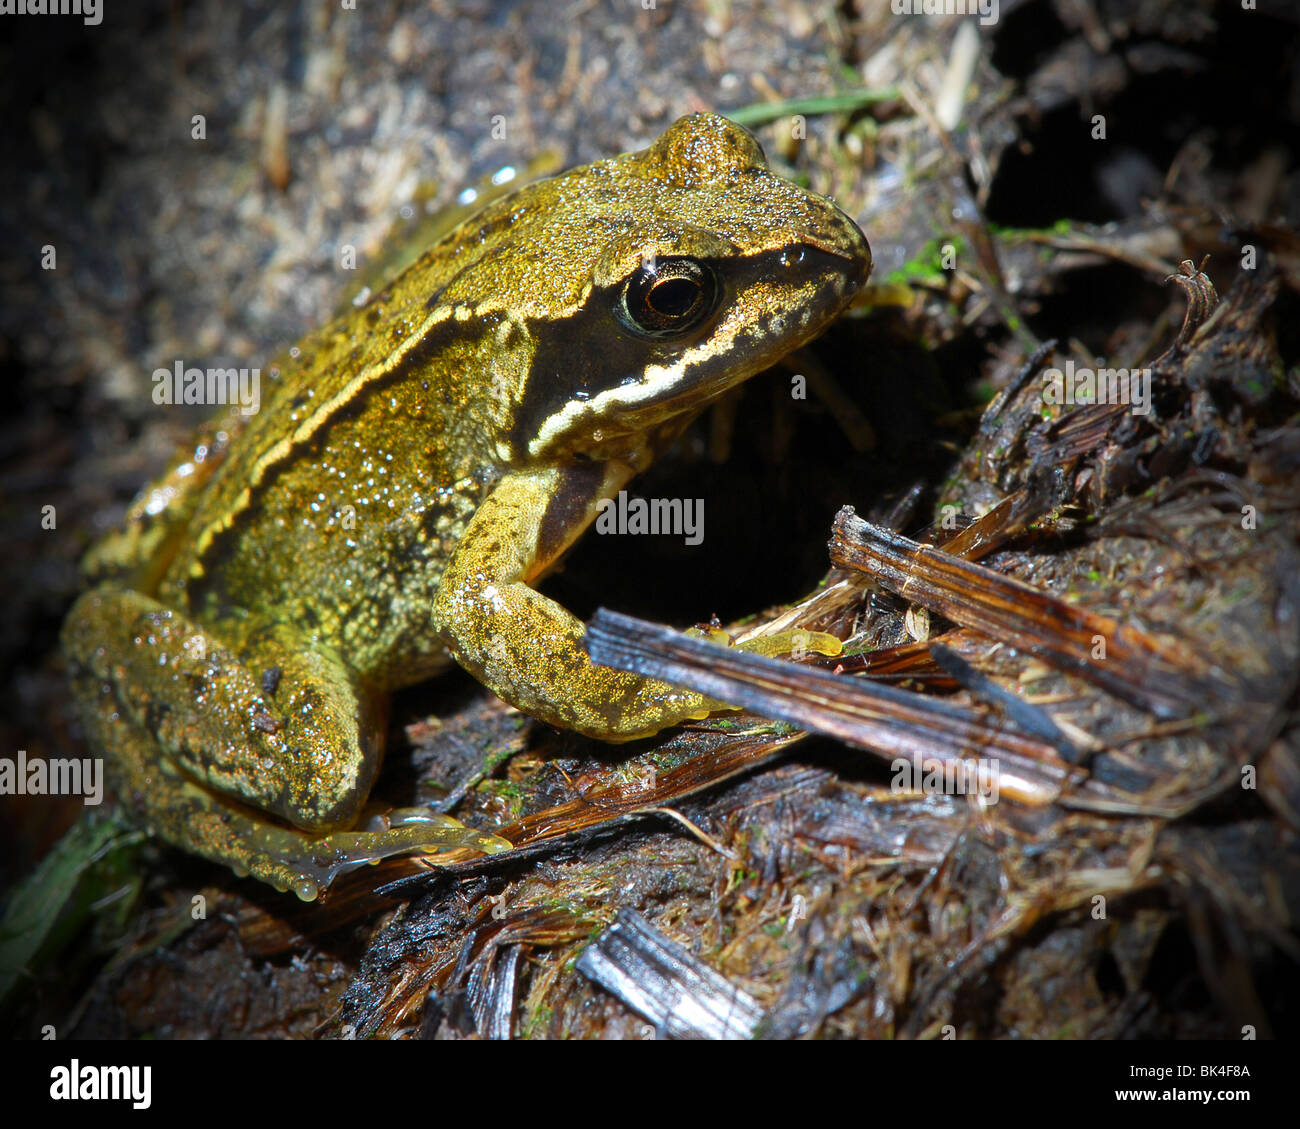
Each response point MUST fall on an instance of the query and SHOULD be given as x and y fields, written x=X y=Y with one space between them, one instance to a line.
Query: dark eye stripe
x=594 y=349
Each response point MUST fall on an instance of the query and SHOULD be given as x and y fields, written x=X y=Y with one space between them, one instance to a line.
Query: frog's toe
x=308 y=864
x=797 y=642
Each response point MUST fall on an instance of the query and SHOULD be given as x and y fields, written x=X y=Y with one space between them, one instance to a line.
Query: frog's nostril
x=857 y=269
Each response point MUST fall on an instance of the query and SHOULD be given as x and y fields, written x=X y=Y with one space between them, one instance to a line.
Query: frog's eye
x=668 y=297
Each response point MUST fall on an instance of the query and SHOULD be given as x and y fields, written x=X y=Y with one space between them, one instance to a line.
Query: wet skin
x=414 y=468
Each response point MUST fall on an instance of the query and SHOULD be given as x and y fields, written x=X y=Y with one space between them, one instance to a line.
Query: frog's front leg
x=206 y=722
x=525 y=647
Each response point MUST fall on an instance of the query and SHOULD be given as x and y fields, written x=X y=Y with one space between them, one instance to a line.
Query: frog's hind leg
x=206 y=725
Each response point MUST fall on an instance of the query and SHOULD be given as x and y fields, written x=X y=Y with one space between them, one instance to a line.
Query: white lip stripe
x=656 y=380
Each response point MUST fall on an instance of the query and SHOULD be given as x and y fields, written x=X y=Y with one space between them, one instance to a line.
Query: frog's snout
x=857 y=252
x=845 y=246
x=863 y=259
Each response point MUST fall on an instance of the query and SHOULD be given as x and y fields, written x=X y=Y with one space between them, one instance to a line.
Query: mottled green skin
x=413 y=468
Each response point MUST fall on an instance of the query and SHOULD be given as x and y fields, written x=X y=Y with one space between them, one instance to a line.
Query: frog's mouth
x=774 y=301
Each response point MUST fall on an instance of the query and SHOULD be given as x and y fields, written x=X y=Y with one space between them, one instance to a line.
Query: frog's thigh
x=526 y=648
x=258 y=716
x=256 y=713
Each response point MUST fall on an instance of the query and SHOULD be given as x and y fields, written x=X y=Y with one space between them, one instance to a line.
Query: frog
x=412 y=470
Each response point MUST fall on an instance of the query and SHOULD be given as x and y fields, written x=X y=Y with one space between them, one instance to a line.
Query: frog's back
x=500 y=349
x=336 y=507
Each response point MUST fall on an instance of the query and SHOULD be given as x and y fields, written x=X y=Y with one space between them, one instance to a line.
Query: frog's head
x=653 y=282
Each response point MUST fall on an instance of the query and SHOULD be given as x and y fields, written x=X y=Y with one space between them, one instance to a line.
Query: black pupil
x=673 y=297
